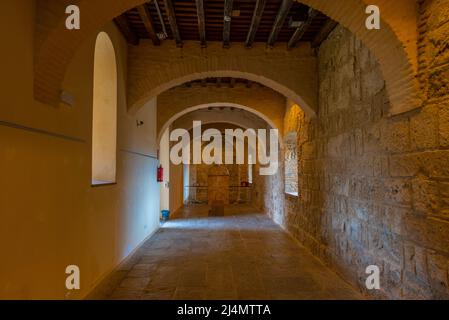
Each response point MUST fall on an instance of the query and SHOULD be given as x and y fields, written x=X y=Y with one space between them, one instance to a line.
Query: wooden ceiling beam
x=123 y=25
x=201 y=22
x=170 y=10
x=227 y=23
x=322 y=35
x=257 y=16
x=301 y=30
x=279 y=21
x=145 y=15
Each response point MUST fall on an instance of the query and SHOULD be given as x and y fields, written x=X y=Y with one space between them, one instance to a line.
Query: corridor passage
x=242 y=255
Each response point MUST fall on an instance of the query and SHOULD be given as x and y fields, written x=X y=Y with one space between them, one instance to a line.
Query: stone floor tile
x=243 y=255
x=190 y=293
x=158 y=293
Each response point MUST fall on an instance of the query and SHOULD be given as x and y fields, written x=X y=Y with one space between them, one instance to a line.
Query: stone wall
x=291 y=164
x=374 y=187
x=292 y=121
x=268 y=192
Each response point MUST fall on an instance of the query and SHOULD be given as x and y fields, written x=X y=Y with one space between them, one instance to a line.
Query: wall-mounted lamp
x=67 y=98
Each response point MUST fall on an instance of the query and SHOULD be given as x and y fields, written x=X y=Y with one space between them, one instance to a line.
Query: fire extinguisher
x=160 y=174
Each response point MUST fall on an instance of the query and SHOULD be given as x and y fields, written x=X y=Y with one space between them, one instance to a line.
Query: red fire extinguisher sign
x=160 y=174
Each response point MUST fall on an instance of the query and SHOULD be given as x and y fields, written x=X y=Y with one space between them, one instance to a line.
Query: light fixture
x=67 y=98
x=235 y=11
x=161 y=36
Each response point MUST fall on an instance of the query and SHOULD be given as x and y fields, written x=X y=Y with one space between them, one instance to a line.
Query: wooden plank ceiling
x=228 y=21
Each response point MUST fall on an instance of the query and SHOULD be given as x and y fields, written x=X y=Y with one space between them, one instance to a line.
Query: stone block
x=380 y=166
x=435 y=163
x=438 y=13
x=438 y=48
x=438 y=234
x=438 y=274
x=338 y=146
x=372 y=83
x=425 y=195
x=358 y=139
x=398 y=191
x=443 y=189
x=443 y=125
x=372 y=138
x=361 y=210
x=308 y=150
x=404 y=165
x=393 y=219
x=420 y=259
x=416 y=228
x=424 y=129
x=438 y=82
x=395 y=135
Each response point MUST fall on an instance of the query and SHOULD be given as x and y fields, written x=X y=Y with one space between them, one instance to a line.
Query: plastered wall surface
x=50 y=215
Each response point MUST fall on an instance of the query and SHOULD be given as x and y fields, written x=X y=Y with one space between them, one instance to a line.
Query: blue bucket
x=165 y=215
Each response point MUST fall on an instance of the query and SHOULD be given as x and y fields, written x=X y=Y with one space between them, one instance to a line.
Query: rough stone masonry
x=374 y=188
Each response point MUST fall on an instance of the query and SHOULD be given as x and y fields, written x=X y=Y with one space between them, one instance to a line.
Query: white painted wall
x=164 y=158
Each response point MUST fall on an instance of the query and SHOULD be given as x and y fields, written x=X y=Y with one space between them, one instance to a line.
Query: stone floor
x=243 y=255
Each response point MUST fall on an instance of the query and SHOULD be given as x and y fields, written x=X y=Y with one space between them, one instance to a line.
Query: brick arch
x=188 y=110
x=235 y=122
x=232 y=123
x=394 y=45
x=155 y=83
x=55 y=45
x=264 y=102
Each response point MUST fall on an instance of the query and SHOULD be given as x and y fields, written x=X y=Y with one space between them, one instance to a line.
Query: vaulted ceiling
x=244 y=21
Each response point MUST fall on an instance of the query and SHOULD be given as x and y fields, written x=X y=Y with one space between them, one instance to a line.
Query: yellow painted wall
x=50 y=216
x=176 y=187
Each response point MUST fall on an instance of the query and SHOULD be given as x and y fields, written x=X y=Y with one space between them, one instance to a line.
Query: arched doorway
x=193 y=179
x=218 y=185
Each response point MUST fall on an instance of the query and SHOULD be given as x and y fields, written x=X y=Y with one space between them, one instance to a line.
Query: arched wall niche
x=104 y=115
